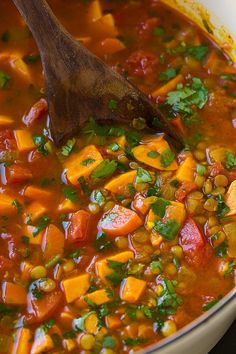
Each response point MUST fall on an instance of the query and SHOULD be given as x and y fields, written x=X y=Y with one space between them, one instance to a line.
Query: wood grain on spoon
x=79 y=85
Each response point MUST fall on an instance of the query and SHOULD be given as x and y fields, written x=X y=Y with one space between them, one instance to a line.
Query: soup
x=115 y=240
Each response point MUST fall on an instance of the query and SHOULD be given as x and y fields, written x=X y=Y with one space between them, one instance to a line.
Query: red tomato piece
x=7 y=140
x=36 y=112
x=185 y=188
x=141 y=63
x=79 y=227
x=193 y=243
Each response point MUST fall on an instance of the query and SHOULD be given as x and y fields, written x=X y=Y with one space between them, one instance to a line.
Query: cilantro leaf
x=153 y=154
x=87 y=162
x=70 y=194
x=78 y=324
x=102 y=243
x=170 y=73
x=169 y=301
x=222 y=209
x=109 y=342
x=143 y=176
x=230 y=161
x=159 y=207
x=209 y=305
x=167 y=157
x=105 y=169
x=168 y=230
x=198 y=52
x=41 y=224
x=67 y=149
x=4 y=79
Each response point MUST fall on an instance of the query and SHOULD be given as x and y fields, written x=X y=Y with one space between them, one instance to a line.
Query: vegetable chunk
x=120 y=221
x=132 y=289
x=76 y=287
x=13 y=294
x=22 y=343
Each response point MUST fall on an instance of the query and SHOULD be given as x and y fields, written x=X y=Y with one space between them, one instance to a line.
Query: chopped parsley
x=79 y=323
x=32 y=58
x=134 y=341
x=87 y=162
x=158 y=31
x=168 y=74
x=40 y=142
x=98 y=197
x=70 y=194
x=168 y=230
x=119 y=272
x=211 y=304
x=167 y=157
x=159 y=207
x=221 y=250
x=169 y=301
x=143 y=176
x=114 y=147
x=17 y=205
x=4 y=79
x=112 y=104
x=153 y=154
x=105 y=169
x=109 y=342
x=222 y=208
x=102 y=243
x=47 y=325
x=230 y=161
x=41 y=224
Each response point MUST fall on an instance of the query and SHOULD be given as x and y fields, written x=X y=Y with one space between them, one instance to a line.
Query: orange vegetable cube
x=34 y=211
x=37 y=193
x=119 y=184
x=113 y=322
x=76 y=165
x=109 y=46
x=230 y=198
x=139 y=204
x=26 y=268
x=6 y=205
x=105 y=26
x=28 y=231
x=99 y=297
x=78 y=230
x=67 y=206
x=53 y=242
x=186 y=170
x=24 y=140
x=120 y=221
x=132 y=289
x=5 y=121
x=102 y=268
x=76 y=287
x=22 y=342
x=42 y=342
x=13 y=294
x=94 y=11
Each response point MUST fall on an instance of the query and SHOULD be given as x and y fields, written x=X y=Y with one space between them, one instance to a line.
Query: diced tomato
x=145 y=28
x=79 y=227
x=40 y=310
x=17 y=174
x=193 y=244
x=7 y=140
x=36 y=112
x=185 y=188
x=5 y=264
x=141 y=63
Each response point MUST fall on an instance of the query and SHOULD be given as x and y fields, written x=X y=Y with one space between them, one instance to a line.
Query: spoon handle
x=43 y=24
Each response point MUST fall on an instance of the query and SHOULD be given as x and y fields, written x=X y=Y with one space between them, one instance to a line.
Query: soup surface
x=115 y=240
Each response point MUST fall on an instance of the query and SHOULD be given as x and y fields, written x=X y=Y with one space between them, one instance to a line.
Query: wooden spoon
x=79 y=85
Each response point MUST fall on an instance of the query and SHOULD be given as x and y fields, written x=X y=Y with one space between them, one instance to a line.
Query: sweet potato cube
x=230 y=198
x=158 y=146
x=76 y=287
x=82 y=163
x=119 y=184
x=186 y=170
x=22 y=343
x=102 y=268
x=34 y=211
x=120 y=221
x=42 y=342
x=99 y=297
x=28 y=231
x=24 y=140
x=6 y=205
x=37 y=193
x=94 y=11
x=5 y=121
x=67 y=206
x=132 y=289
x=113 y=322
x=13 y=294
x=53 y=242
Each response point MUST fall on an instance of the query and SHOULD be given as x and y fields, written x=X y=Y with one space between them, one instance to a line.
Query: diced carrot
x=119 y=221
x=37 y=193
x=184 y=190
x=109 y=46
x=186 y=170
x=74 y=166
x=104 y=27
x=17 y=174
x=159 y=145
x=91 y=323
x=26 y=268
x=156 y=239
x=24 y=140
x=139 y=204
x=119 y=184
x=28 y=231
x=36 y=112
x=102 y=268
x=53 y=242
x=7 y=205
x=42 y=342
x=94 y=11
x=132 y=289
x=67 y=206
x=99 y=297
x=5 y=121
x=13 y=294
x=79 y=227
x=169 y=86
x=76 y=287
x=43 y=308
x=113 y=322
x=22 y=341
x=34 y=211
x=230 y=199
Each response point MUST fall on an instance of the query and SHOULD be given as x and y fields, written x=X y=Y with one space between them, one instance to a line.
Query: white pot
x=200 y=336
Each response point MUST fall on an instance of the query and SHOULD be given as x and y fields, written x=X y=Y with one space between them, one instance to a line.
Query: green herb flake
x=102 y=243
x=168 y=230
x=207 y=26
x=114 y=147
x=198 y=52
x=87 y=162
x=230 y=161
x=67 y=149
x=228 y=77
x=159 y=207
x=79 y=323
x=7 y=310
x=143 y=176
x=84 y=186
x=69 y=335
x=40 y=142
x=169 y=301
x=201 y=169
x=32 y=58
x=153 y=154
x=119 y=272
x=222 y=208
x=168 y=74
x=134 y=341
x=25 y=240
x=158 y=31
x=167 y=157
x=109 y=342
x=41 y=225
x=221 y=250
x=17 y=205
x=47 y=325
x=112 y=104
x=209 y=305
x=70 y=194
x=105 y=169
x=4 y=79
x=75 y=254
